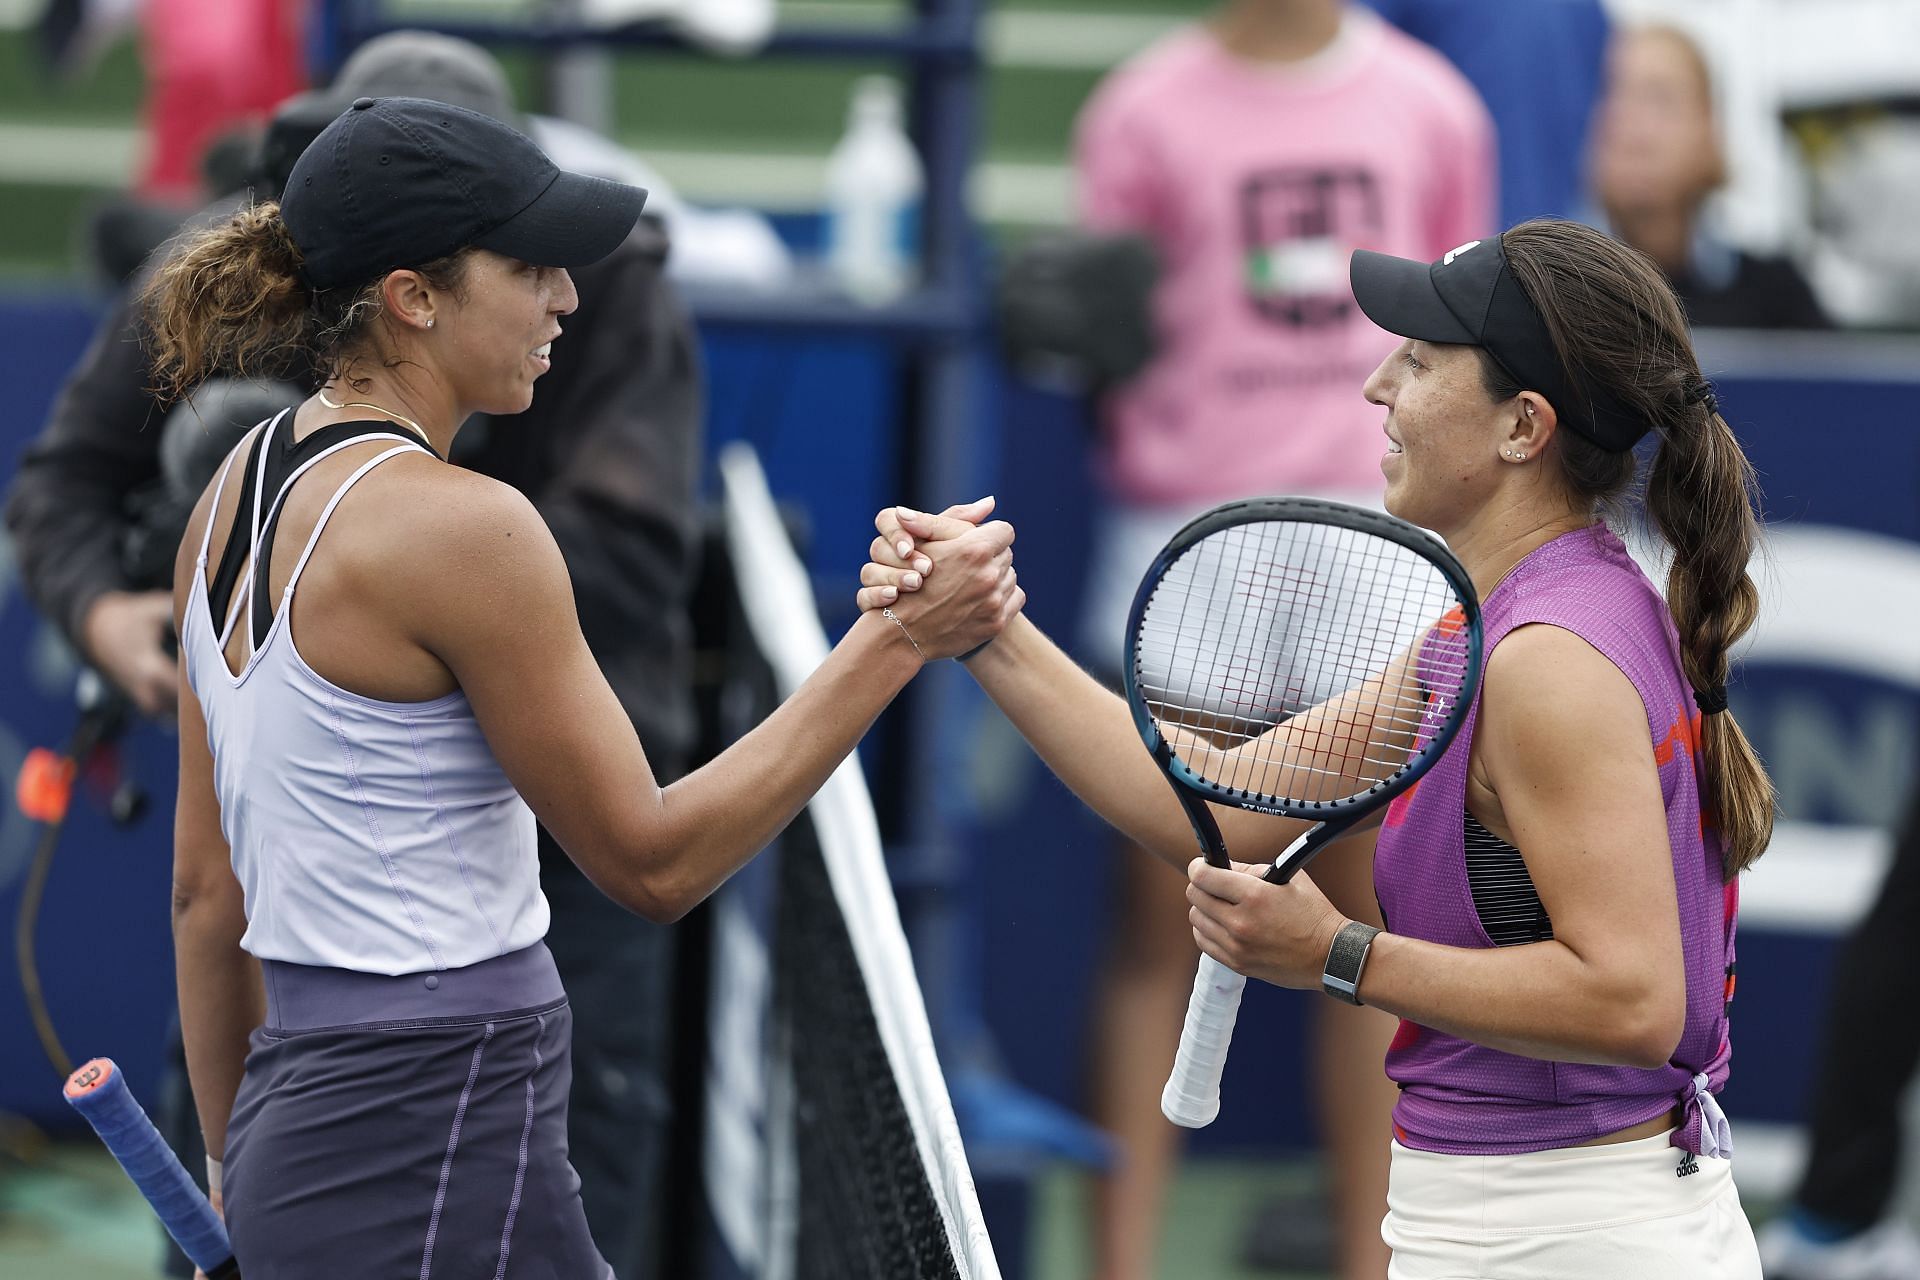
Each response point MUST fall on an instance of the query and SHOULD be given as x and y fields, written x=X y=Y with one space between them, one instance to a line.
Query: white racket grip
x=1192 y=1095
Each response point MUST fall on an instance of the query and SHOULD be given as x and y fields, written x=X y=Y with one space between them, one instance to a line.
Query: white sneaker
x=1888 y=1250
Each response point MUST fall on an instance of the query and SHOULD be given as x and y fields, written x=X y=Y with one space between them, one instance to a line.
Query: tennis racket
x=99 y=1092
x=1295 y=657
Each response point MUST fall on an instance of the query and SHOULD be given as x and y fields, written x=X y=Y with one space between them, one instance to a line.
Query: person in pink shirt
x=1256 y=150
x=211 y=65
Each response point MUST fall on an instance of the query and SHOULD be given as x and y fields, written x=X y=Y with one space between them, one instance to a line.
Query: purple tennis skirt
x=411 y=1126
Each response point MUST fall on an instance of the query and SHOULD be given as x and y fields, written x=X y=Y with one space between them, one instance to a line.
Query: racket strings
x=1300 y=661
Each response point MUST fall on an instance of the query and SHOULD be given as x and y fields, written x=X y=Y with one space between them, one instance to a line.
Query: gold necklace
x=362 y=404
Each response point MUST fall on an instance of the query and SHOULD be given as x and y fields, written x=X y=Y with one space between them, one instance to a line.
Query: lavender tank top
x=1461 y=1098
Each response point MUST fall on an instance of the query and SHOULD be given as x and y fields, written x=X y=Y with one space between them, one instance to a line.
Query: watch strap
x=1347 y=960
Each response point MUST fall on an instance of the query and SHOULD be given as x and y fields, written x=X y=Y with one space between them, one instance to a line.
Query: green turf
x=664 y=101
x=108 y=94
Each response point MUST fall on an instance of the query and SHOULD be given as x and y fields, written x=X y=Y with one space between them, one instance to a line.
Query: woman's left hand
x=1278 y=933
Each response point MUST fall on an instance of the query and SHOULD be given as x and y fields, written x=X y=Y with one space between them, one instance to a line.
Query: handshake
x=946 y=580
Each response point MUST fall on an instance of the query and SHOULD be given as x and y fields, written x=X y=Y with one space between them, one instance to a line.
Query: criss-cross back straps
x=225 y=578
x=253 y=591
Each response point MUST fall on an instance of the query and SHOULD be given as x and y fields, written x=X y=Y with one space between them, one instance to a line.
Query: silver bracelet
x=894 y=618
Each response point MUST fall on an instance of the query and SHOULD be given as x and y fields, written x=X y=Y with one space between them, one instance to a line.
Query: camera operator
x=610 y=455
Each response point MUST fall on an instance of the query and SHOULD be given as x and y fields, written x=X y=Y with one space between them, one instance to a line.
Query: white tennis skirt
x=1641 y=1210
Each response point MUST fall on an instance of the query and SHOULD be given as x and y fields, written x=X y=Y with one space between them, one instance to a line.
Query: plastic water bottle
x=874 y=185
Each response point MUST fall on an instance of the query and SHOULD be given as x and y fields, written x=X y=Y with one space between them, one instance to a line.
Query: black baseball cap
x=1470 y=296
x=397 y=182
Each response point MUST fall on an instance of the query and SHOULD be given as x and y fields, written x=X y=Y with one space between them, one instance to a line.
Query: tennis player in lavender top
x=1560 y=890
x=384 y=682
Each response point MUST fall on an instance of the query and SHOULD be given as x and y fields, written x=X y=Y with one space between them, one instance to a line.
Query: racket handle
x=1192 y=1095
x=99 y=1092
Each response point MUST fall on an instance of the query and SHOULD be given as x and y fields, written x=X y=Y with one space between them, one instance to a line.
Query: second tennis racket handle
x=1192 y=1095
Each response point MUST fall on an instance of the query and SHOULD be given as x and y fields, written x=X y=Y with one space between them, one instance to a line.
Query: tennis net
x=864 y=1171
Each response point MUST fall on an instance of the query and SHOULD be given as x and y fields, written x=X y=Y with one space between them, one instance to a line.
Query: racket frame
x=1192 y=1094
x=1332 y=818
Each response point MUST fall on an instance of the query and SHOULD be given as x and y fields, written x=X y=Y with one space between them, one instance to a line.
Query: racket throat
x=1300 y=852
x=1206 y=831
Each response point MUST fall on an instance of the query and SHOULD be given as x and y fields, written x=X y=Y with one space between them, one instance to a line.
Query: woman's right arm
x=496 y=606
x=1083 y=731
x=1085 y=734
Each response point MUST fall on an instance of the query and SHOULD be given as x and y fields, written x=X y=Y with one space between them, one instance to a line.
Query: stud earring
x=429 y=323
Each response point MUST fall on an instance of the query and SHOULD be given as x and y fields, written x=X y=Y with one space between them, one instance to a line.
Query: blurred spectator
x=211 y=64
x=609 y=453
x=1657 y=156
x=726 y=247
x=1863 y=166
x=1255 y=152
x=1838 y=1227
x=1537 y=65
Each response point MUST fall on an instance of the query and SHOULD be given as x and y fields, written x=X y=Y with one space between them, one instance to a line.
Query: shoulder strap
x=324 y=438
x=326 y=513
x=319 y=445
x=233 y=556
x=219 y=491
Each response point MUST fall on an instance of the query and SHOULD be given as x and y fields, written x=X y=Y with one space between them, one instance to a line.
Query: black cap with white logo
x=1470 y=296
x=399 y=182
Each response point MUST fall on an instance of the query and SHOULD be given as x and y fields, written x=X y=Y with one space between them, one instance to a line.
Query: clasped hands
x=1278 y=933
x=974 y=592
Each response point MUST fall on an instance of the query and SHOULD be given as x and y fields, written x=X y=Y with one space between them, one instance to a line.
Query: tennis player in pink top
x=1560 y=891
x=1256 y=150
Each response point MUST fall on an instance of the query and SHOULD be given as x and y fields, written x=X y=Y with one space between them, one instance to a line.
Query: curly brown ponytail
x=228 y=299
x=1619 y=329
x=231 y=300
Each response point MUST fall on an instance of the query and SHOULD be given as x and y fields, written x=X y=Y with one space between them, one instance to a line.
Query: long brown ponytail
x=1620 y=331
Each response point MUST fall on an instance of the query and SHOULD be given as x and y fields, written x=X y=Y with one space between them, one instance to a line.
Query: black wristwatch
x=1347 y=960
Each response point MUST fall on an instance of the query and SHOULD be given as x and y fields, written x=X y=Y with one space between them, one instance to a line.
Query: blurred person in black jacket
x=610 y=454
x=1657 y=156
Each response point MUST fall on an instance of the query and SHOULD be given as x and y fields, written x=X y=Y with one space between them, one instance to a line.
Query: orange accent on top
x=1683 y=734
x=1732 y=979
x=90 y=1077
x=1452 y=622
x=45 y=785
x=1397 y=807
x=1405 y=1036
